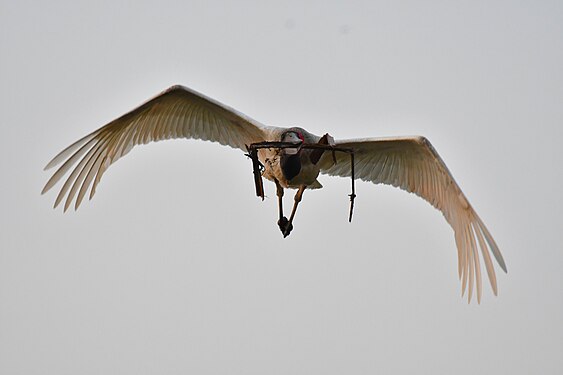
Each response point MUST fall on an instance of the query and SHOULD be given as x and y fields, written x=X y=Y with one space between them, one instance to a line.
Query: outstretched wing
x=412 y=164
x=177 y=112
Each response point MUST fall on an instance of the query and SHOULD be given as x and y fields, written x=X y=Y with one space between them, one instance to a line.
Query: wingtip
x=78 y=202
x=52 y=181
x=67 y=204
x=53 y=162
x=497 y=254
x=492 y=244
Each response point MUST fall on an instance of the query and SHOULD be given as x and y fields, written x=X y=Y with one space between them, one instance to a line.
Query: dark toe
x=282 y=223
x=287 y=230
x=285 y=226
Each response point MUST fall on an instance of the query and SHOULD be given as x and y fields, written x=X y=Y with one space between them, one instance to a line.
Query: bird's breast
x=291 y=171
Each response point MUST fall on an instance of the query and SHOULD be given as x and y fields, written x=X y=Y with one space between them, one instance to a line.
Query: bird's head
x=292 y=136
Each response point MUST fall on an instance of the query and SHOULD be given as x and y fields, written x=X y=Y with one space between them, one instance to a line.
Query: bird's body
x=290 y=170
x=410 y=163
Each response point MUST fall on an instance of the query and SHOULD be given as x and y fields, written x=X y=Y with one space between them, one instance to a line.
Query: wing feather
x=67 y=164
x=412 y=164
x=177 y=112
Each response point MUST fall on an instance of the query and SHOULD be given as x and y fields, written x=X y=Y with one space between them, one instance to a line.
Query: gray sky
x=175 y=267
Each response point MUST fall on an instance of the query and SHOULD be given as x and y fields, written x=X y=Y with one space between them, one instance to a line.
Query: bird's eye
x=300 y=136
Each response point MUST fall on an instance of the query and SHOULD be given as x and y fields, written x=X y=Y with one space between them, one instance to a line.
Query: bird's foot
x=285 y=226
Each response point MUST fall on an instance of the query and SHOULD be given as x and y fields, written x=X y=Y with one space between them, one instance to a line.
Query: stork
x=292 y=158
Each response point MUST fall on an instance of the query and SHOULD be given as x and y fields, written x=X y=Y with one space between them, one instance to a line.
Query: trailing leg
x=282 y=222
x=297 y=199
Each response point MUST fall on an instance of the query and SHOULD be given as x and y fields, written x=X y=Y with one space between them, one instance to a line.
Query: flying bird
x=292 y=158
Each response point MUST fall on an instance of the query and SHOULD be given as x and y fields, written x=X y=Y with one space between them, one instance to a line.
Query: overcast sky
x=175 y=267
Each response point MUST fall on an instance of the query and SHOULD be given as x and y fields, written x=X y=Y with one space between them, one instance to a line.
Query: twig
x=353 y=195
x=257 y=166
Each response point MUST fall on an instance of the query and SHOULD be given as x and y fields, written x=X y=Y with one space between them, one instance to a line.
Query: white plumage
x=410 y=163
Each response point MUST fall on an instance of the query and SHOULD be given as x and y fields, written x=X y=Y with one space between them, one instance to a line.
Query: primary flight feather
x=409 y=163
